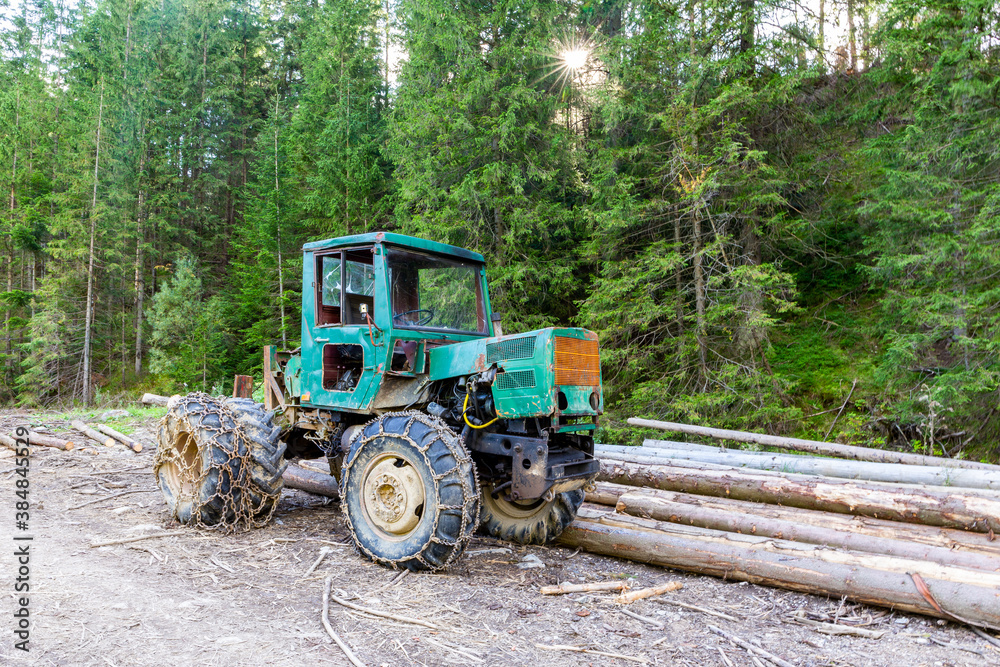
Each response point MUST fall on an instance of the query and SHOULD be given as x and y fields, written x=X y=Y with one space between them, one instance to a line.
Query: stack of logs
x=909 y=532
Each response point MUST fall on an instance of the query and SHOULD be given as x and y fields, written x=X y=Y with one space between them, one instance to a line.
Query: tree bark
x=606 y=493
x=813 y=446
x=852 y=36
x=92 y=434
x=296 y=477
x=277 y=226
x=134 y=445
x=89 y=318
x=881 y=501
x=651 y=507
x=49 y=441
x=811 y=465
x=798 y=567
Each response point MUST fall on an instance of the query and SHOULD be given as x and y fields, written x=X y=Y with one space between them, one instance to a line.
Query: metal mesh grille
x=578 y=362
x=515 y=348
x=516 y=380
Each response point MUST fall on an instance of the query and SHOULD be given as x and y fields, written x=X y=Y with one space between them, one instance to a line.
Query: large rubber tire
x=219 y=461
x=534 y=522
x=409 y=492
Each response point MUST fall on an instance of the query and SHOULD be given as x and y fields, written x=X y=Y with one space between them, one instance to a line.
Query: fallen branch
x=126 y=540
x=750 y=647
x=834 y=629
x=644 y=619
x=394 y=617
x=562 y=589
x=323 y=551
x=329 y=629
x=812 y=446
x=113 y=495
x=632 y=596
x=703 y=610
x=580 y=649
x=134 y=445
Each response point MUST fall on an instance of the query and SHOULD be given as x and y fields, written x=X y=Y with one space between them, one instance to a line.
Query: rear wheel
x=409 y=492
x=219 y=462
x=529 y=522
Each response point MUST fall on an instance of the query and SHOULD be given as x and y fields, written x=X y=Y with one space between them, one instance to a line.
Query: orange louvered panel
x=577 y=362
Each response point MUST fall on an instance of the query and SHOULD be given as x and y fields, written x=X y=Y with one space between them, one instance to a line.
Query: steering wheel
x=419 y=321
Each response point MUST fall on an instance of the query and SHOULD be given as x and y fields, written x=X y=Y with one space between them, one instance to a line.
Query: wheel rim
x=180 y=471
x=512 y=509
x=392 y=496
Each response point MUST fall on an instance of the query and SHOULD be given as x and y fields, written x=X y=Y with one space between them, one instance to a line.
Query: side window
x=359 y=285
x=328 y=288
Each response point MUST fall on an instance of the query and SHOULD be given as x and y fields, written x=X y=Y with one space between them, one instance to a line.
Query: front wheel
x=529 y=522
x=409 y=492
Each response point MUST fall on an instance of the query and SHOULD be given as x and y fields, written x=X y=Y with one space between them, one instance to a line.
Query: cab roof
x=394 y=239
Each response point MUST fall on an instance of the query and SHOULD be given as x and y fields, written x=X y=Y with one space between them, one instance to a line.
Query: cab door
x=340 y=349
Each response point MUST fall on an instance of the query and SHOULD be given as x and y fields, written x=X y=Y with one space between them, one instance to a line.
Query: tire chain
x=239 y=512
x=461 y=456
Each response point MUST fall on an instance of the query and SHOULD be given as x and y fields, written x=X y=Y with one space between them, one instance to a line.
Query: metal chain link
x=204 y=477
x=461 y=457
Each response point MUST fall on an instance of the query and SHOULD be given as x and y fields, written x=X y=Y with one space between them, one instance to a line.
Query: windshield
x=431 y=292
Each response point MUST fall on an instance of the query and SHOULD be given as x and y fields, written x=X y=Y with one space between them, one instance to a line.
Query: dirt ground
x=245 y=599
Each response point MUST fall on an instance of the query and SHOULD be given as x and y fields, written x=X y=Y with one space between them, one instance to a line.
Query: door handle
x=322 y=340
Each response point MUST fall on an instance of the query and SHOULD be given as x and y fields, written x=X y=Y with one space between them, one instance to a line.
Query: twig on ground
x=742 y=643
x=323 y=551
x=835 y=629
x=113 y=495
x=632 y=596
x=656 y=624
x=725 y=658
x=453 y=649
x=710 y=612
x=584 y=588
x=126 y=540
x=375 y=612
x=326 y=624
x=580 y=649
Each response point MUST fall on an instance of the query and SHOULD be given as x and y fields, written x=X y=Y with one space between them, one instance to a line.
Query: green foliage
x=186 y=340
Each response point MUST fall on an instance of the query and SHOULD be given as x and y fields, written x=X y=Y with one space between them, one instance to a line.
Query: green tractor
x=434 y=423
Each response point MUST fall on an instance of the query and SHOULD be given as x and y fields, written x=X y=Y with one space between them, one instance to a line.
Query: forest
x=780 y=215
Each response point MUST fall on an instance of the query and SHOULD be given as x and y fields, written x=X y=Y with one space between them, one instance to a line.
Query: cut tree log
x=8 y=441
x=814 y=446
x=153 y=399
x=596 y=586
x=954 y=540
x=629 y=597
x=811 y=465
x=932 y=507
x=134 y=445
x=748 y=524
x=50 y=441
x=689 y=446
x=719 y=467
x=92 y=434
x=296 y=477
x=784 y=564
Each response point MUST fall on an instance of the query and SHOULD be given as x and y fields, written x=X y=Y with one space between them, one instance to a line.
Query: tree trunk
x=812 y=446
x=49 y=441
x=851 y=37
x=699 y=301
x=296 y=477
x=822 y=35
x=957 y=540
x=277 y=225
x=798 y=567
x=931 y=507
x=642 y=505
x=811 y=465
x=89 y=319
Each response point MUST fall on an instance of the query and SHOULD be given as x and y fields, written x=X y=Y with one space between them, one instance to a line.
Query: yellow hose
x=465 y=406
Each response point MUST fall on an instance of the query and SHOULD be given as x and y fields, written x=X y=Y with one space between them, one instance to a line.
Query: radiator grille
x=578 y=362
x=514 y=348
x=516 y=380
